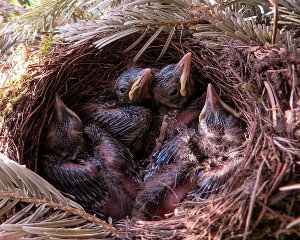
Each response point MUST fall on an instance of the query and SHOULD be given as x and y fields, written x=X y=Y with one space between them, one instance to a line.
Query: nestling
x=89 y=164
x=219 y=133
x=127 y=123
x=173 y=85
x=134 y=85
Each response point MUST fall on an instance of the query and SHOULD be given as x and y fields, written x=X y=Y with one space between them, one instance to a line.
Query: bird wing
x=172 y=151
x=167 y=154
x=214 y=180
x=124 y=123
x=171 y=181
x=86 y=181
x=115 y=155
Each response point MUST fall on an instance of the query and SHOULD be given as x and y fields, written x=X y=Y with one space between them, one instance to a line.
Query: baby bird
x=127 y=123
x=219 y=132
x=65 y=135
x=170 y=179
x=163 y=191
x=173 y=85
x=86 y=162
x=134 y=85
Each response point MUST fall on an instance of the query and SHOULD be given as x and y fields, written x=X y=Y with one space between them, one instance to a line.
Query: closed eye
x=122 y=90
x=232 y=138
x=173 y=92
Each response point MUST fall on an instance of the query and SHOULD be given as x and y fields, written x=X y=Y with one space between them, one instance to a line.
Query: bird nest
x=260 y=83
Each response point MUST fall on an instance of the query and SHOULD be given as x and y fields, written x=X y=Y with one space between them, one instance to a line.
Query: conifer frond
x=237 y=26
x=7 y=10
x=290 y=13
x=128 y=18
x=44 y=17
x=252 y=22
x=30 y=207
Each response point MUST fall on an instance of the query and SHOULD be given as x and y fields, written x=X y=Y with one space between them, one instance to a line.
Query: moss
x=46 y=45
x=12 y=93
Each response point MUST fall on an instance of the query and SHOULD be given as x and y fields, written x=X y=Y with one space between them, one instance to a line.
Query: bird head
x=218 y=127
x=65 y=136
x=173 y=84
x=134 y=85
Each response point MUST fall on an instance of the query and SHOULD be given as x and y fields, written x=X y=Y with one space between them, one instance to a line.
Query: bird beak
x=141 y=87
x=185 y=65
x=62 y=110
x=213 y=102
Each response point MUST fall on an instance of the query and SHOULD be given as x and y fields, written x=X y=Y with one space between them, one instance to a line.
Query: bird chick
x=171 y=177
x=101 y=176
x=219 y=130
x=127 y=123
x=173 y=85
x=162 y=192
x=134 y=85
x=65 y=136
x=218 y=133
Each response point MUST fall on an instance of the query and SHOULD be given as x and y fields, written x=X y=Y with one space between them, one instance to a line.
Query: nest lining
x=257 y=81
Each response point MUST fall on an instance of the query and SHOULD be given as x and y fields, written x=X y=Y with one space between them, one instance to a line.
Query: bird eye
x=173 y=92
x=122 y=90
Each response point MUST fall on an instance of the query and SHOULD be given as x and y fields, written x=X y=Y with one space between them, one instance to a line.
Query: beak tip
x=211 y=91
x=147 y=73
x=58 y=101
x=183 y=92
x=212 y=98
x=187 y=57
x=147 y=70
x=189 y=54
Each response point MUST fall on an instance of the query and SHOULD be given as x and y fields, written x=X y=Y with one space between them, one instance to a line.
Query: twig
x=290 y=187
x=293 y=223
x=252 y=200
x=273 y=102
x=275 y=19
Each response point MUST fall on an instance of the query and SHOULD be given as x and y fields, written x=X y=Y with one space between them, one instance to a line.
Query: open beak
x=185 y=65
x=141 y=87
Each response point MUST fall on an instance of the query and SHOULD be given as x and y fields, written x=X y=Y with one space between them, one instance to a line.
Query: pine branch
x=289 y=11
x=129 y=18
x=46 y=16
x=239 y=19
x=7 y=9
x=31 y=207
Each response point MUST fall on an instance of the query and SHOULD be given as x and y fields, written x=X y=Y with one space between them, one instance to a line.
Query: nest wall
x=257 y=81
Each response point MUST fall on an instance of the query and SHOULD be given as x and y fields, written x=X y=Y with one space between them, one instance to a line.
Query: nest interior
x=259 y=82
